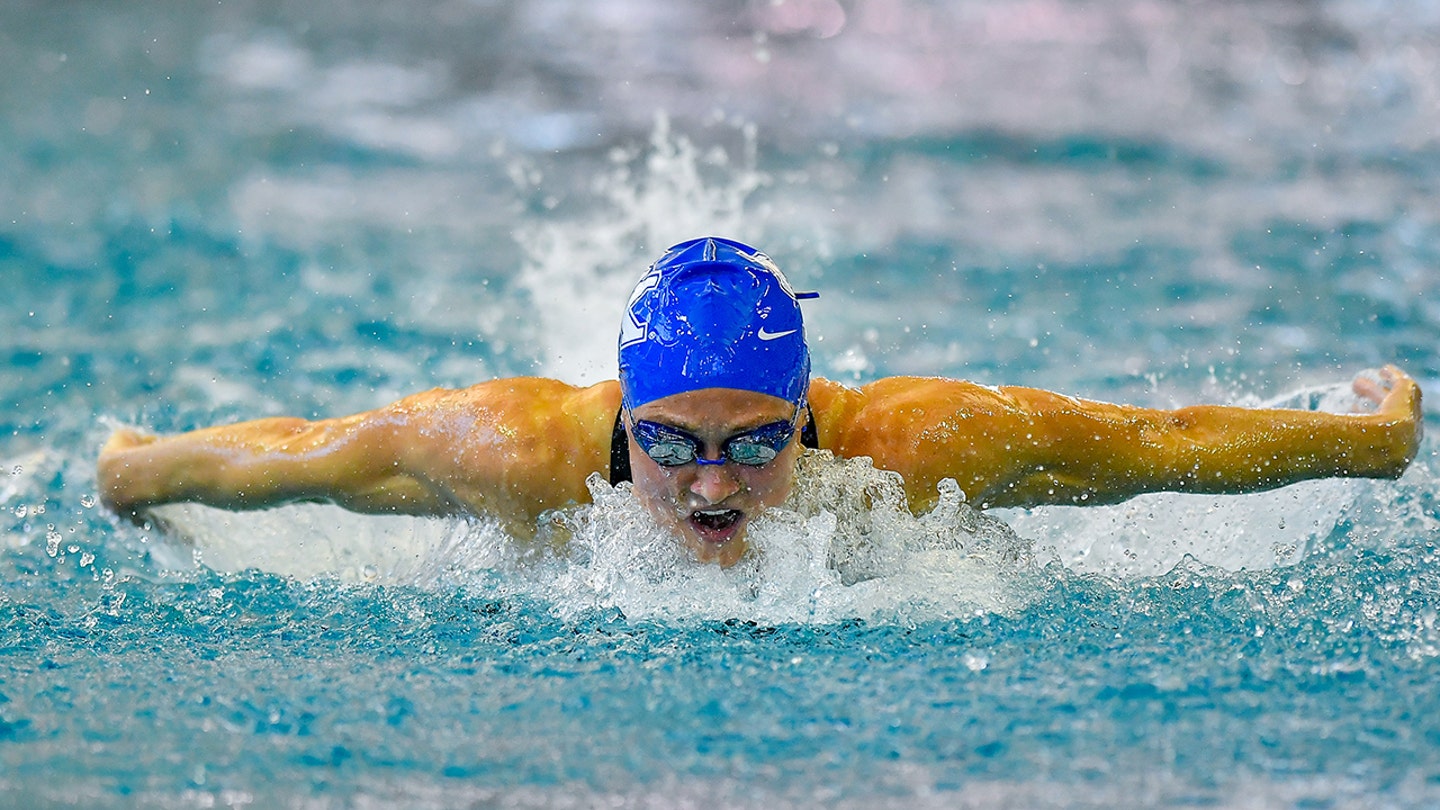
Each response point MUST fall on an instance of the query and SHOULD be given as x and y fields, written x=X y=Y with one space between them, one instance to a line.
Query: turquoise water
x=252 y=209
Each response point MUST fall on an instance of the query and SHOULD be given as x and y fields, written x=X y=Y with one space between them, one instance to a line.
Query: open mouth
x=716 y=525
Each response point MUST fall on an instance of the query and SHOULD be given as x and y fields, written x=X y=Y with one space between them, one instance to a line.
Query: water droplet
x=19 y=470
x=87 y=501
x=86 y=559
x=21 y=511
x=52 y=543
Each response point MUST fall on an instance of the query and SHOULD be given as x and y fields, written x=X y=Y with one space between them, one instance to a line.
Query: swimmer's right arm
x=252 y=465
x=512 y=448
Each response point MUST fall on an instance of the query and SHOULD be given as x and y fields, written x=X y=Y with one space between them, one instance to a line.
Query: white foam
x=1151 y=534
x=843 y=546
x=314 y=540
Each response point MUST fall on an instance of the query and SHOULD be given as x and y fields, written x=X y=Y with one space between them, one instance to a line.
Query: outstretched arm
x=1025 y=447
x=249 y=465
x=512 y=448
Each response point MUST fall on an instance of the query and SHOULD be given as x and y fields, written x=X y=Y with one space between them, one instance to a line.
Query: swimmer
x=713 y=407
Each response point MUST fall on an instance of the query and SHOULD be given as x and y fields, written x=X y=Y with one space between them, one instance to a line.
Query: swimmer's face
x=709 y=507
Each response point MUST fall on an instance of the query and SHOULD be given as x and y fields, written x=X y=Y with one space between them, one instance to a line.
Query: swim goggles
x=670 y=446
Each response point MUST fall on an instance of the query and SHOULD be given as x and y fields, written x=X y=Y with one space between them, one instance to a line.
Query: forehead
x=718 y=410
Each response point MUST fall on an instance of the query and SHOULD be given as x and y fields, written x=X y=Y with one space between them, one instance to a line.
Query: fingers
x=1369 y=390
x=1374 y=386
x=1391 y=374
x=124 y=439
x=1390 y=389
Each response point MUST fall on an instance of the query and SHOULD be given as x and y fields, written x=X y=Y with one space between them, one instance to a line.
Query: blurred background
x=243 y=208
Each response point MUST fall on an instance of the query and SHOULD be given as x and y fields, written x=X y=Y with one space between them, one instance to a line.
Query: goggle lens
x=671 y=447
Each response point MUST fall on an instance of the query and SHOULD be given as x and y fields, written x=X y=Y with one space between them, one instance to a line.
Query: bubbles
x=975 y=661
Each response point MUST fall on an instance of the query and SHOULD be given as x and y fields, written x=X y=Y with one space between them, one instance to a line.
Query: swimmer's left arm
x=1090 y=452
x=1100 y=453
x=1026 y=447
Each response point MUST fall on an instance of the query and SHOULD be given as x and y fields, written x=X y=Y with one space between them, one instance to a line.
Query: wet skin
x=516 y=448
x=709 y=507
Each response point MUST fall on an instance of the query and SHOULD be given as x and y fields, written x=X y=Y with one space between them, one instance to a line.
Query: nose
x=714 y=482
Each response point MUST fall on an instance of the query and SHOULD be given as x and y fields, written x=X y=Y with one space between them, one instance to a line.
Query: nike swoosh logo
x=763 y=335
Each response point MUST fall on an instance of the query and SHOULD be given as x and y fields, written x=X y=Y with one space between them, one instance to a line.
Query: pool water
x=249 y=209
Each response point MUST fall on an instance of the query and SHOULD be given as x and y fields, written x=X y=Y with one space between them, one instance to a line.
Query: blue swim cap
x=713 y=313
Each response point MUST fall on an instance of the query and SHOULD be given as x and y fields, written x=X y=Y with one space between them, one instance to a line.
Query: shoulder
x=531 y=440
x=519 y=411
x=892 y=393
x=847 y=415
x=540 y=396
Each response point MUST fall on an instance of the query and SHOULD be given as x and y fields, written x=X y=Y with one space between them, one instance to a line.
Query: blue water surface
x=250 y=209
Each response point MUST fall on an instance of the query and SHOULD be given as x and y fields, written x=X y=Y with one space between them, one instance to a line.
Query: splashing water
x=578 y=273
x=844 y=545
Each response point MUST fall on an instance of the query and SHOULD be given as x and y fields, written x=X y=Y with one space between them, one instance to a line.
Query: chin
x=723 y=557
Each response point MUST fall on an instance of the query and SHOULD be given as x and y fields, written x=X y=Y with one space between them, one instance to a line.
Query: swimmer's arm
x=1088 y=452
x=1027 y=447
x=266 y=462
x=511 y=448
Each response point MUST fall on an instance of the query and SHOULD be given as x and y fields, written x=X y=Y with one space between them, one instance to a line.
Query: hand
x=124 y=439
x=111 y=472
x=1397 y=396
x=1394 y=393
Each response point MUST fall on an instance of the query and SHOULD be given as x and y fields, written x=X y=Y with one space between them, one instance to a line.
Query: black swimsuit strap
x=620 y=446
